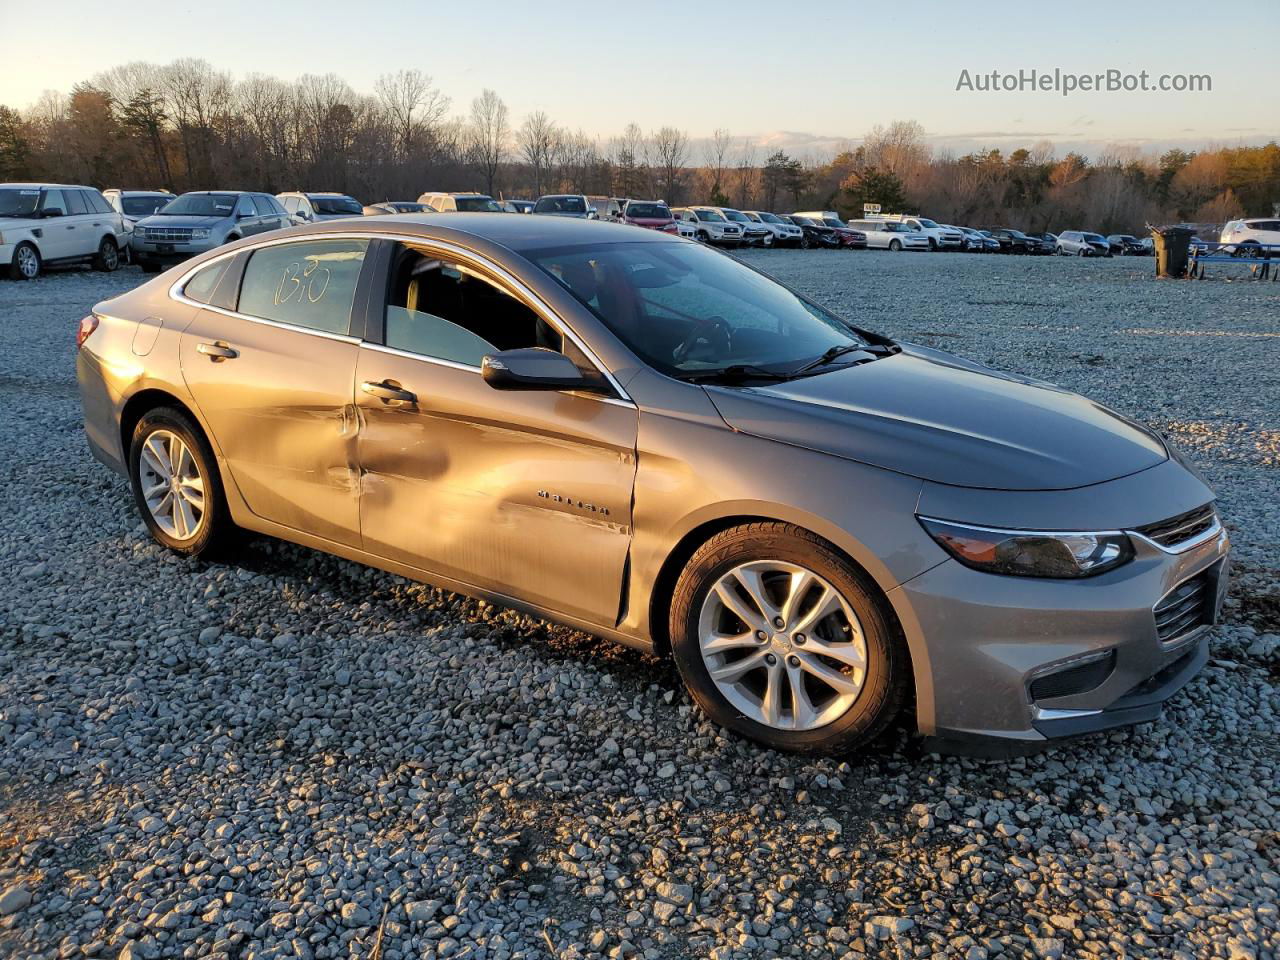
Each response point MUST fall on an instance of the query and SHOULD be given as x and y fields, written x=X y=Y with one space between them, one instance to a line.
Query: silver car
x=647 y=439
x=199 y=221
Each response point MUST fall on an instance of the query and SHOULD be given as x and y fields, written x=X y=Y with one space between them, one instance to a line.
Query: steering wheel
x=712 y=332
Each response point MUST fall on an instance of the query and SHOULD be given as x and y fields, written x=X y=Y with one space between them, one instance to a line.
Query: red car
x=652 y=214
x=849 y=237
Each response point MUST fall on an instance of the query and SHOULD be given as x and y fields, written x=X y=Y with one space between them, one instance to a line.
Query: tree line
x=187 y=126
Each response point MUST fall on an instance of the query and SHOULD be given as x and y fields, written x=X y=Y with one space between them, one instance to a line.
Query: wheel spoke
x=800 y=583
x=834 y=679
x=828 y=603
x=847 y=653
x=737 y=606
x=724 y=642
x=157 y=457
x=731 y=672
x=751 y=581
x=150 y=493
x=803 y=712
x=771 y=702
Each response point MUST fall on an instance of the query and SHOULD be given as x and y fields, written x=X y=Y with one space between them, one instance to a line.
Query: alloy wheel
x=172 y=485
x=28 y=263
x=782 y=645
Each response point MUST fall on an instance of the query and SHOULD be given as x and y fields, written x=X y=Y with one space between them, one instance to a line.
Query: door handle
x=388 y=390
x=217 y=352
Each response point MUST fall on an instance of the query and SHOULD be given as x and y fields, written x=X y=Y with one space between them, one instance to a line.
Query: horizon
x=769 y=102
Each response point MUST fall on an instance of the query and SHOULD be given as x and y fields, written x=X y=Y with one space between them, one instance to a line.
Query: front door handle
x=218 y=351
x=388 y=390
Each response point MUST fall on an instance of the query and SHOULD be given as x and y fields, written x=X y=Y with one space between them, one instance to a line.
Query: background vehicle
x=1248 y=237
x=1048 y=241
x=133 y=205
x=517 y=206
x=1014 y=241
x=891 y=235
x=565 y=205
x=754 y=233
x=461 y=203
x=201 y=220
x=940 y=237
x=1099 y=244
x=784 y=234
x=1124 y=245
x=652 y=214
x=309 y=207
x=978 y=242
x=813 y=234
x=53 y=223
x=710 y=226
x=1072 y=243
x=393 y=207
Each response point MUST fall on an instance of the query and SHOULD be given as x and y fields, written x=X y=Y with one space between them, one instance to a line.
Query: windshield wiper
x=831 y=354
x=735 y=373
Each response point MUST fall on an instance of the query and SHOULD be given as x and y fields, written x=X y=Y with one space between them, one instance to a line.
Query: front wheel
x=779 y=638
x=176 y=485
x=895 y=245
x=108 y=257
x=26 y=262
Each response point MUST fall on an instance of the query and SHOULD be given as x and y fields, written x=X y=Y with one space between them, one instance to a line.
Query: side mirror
x=51 y=212
x=532 y=368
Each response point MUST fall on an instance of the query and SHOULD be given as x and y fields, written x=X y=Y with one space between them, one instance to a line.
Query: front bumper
x=158 y=252
x=1020 y=661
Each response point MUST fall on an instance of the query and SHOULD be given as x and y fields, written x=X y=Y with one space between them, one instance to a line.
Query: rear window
x=142 y=206
x=561 y=205
x=651 y=211
x=477 y=205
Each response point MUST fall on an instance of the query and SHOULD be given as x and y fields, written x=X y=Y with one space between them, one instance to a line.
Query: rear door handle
x=217 y=352
x=388 y=390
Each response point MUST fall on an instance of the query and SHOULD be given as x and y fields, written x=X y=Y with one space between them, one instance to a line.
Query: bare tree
x=487 y=135
x=746 y=174
x=411 y=104
x=671 y=150
x=537 y=139
x=717 y=159
x=630 y=157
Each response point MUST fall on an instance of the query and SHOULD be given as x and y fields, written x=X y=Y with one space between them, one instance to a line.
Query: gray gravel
x=293 y=756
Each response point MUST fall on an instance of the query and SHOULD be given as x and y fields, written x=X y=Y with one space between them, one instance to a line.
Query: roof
x=514 y=231
x=51 y=186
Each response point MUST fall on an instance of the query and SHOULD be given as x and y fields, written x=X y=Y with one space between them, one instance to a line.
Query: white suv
x=1248 y=237
x=784 y=234
x=710 y=225
x=941 y=237
x=55 y=223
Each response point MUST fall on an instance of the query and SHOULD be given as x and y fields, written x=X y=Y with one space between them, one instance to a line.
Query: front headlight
x=200 y=233
x=1025 y=553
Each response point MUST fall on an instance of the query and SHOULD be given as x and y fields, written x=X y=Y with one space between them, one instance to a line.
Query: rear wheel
x=26 y=262
x=782 y=640
x=108 y=257
x=895 y=245
x=176 y=484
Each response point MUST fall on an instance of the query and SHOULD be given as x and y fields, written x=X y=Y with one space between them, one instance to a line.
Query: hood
x=930 y=415
x=156 y=220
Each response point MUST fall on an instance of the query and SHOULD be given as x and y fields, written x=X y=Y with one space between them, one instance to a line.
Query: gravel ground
x=293 y=756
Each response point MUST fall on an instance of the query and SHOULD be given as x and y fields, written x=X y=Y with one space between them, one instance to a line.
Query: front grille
x=1081 y=678
x=1185 y=607
x=169 y=234
x=1183 y=527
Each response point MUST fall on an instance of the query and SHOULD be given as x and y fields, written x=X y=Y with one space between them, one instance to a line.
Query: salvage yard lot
x=294 y=756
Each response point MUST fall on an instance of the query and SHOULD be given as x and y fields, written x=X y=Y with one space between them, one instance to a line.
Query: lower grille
x=1185 y=607
x=1078 y=679
x=1183 y=527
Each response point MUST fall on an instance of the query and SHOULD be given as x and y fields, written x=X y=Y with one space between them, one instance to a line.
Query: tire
x=804 y=243
x=933 y=245
x=108 y=258
x=895 y=245
x=1082 y=252
x=149 y=448
x=26 y=263
x=831 y=719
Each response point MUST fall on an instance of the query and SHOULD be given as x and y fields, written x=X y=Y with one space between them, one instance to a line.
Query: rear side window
x=264 y=208
x=310 y=285
x=201 y=286
x=75 y=202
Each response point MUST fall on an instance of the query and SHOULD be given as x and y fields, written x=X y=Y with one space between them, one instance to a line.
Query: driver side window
x=445 y=310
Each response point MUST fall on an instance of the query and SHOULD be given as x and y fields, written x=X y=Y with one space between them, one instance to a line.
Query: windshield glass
x=406 y=207
x=1095 y=238
x=18 y=201
x=477 y=205
x=560 y=205
x=929 y=224
x=654 y=211
x=142 y=206
x=710 y=216
x=332 y=205
x=802 y=221
x=200 y=205
x=687 y=309
x=737 y=216
x=768 y=218
x=834 y=222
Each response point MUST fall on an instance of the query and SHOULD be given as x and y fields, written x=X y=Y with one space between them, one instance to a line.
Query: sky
x=808 y=76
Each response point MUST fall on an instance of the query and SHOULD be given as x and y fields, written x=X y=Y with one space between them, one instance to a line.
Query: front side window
x=244 y=207
x=686 y=309
x=445 y=310
x=53 y=200
x=310 y=284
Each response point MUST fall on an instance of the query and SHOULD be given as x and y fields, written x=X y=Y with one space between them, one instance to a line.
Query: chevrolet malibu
x=643 y=438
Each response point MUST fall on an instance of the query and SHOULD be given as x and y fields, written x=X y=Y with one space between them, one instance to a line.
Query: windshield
x=926 y=223
x=651 y=211
x=768 y=218
x=687 y=309
x=560 y=205
x=1095 y=238
x=18 y=201
x=710 y=216
x=477 y=205
x=834 y=222
x=142 y=206
x=802 y=221
x=406 y=207
x=737 y=216
x=200 y=205
x=332 y=205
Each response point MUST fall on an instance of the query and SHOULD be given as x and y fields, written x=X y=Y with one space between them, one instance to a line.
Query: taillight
x=87 y=326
